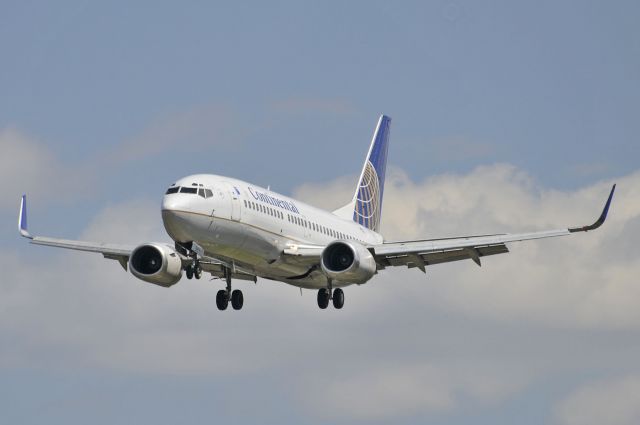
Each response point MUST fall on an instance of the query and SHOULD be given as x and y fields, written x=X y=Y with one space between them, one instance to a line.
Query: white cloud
x=405 y=343
x=382 y=391
x=612 y=402
x=585 y=280
x=29 y=166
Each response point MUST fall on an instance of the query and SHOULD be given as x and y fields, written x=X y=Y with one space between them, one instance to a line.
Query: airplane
x=235 y=230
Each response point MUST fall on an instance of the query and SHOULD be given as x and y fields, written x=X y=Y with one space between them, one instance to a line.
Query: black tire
x=222 y=300
x=197 y=271
x=189 y=270
x=237 y=299
x=338 y=298
x=323 y=298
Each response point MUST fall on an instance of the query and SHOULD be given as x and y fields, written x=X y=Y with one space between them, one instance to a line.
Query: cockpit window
x=204 y=193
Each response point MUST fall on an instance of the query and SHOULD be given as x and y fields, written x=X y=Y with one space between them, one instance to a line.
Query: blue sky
x=103 y=105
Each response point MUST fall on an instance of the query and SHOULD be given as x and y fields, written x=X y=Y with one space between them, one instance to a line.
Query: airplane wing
x=435 y=251
x=422 y=253
x=111 y=251
x=119 y=252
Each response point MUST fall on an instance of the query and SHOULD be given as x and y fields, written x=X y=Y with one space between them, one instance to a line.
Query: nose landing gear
x=193 y=270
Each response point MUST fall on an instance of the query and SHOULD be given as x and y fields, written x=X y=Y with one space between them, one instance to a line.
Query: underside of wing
x=423 y=259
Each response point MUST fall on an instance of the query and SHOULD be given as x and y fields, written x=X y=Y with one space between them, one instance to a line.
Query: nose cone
x=175 y=217
x=172 y=202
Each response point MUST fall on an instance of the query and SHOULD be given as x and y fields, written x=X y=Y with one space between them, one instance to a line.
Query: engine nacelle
x=156 y=263
x=348 y=261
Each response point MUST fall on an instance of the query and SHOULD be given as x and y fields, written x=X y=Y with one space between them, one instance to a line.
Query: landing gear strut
x=225 y=295
x=327 y=294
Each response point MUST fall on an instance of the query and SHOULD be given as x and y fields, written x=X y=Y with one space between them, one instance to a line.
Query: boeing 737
x=235 y=230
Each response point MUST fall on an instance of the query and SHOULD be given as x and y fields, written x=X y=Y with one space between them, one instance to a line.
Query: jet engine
x=348 y=261
x=156 y=263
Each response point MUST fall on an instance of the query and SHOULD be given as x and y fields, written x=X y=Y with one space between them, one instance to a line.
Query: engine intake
x=348 y=261
x=157 y=264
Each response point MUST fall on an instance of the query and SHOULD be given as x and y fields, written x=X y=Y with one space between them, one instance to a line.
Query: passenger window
x=173 y=190
x=245 y=203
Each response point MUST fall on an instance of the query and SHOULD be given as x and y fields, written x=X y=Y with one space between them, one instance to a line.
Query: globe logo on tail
x=367 y=210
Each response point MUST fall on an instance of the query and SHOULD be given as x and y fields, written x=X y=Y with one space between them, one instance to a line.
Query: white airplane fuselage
x=250 y=227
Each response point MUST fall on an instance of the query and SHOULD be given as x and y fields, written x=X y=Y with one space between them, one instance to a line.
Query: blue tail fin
x=366 y=205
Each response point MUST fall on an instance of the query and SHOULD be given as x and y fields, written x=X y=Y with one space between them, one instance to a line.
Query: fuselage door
x=236 y=210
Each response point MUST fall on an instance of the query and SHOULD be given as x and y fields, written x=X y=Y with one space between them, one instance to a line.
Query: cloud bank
x=406 y=345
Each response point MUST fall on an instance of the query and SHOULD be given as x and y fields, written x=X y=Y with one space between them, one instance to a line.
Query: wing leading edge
x=427 y=252
x=111 y=251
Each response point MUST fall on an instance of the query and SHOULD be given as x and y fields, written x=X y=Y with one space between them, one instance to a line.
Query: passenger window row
x=264 y=209
x=319 y=228
x=299 y=221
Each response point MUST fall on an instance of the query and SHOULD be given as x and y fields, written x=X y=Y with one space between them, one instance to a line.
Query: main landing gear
x=335 y=295
x=223 y=298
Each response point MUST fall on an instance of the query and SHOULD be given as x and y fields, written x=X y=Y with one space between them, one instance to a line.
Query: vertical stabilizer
x=366 y=206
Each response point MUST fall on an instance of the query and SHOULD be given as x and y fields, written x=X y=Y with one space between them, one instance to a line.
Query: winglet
x=601 y=219
x=22 y=218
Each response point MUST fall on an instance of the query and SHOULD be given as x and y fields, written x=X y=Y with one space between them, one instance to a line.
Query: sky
x=507 y=117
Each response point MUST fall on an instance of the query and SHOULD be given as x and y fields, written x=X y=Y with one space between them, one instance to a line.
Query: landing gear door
x=236 y=210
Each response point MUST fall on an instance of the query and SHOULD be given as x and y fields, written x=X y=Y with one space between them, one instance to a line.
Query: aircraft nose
x=174 y=218
x=170 y=203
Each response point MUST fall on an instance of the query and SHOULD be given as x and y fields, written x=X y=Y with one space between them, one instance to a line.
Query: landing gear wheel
x=237 y=299
x=189 y=270
x=222 y=299
x=323 y=298
x=338 y=298
x=197 y=271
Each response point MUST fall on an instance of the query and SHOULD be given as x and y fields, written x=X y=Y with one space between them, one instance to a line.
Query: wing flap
x=442 y=256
